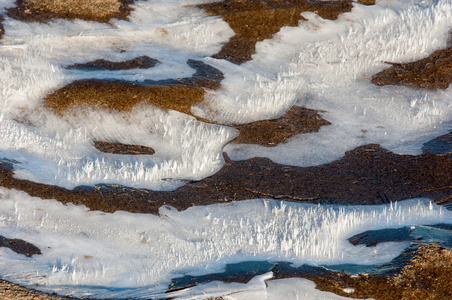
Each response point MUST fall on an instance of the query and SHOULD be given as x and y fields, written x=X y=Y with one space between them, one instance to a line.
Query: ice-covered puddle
x=136 y=255
x=321 y=64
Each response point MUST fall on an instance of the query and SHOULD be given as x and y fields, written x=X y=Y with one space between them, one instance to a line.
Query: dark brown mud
x=91 y=10
x=141 y=62
x=256 y=20
x=118 y=148
x=433 y=72
x=366 y=175
x=297 y=120
x=19 y=246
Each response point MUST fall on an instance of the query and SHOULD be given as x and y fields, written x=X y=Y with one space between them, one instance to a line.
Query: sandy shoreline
x=13 y=291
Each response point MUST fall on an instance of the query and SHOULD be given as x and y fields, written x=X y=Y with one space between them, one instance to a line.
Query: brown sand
x=118 y=148
x=366 y=175
x=9 y=291
x=257 y=20
x=297 y=120
x=122 y=96
x=433 y=72
x=176 y=94
x=427 y=276
x=90 y=10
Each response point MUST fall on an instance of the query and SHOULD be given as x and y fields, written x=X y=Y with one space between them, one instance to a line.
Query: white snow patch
x=143 y=252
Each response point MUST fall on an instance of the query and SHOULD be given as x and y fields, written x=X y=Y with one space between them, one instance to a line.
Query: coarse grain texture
x=176 y=93
x=428 y=275
x=433 y=72
x=297 y=120
x=122 y=96
x=425 y=275
x=10 y=291
x=90 y=10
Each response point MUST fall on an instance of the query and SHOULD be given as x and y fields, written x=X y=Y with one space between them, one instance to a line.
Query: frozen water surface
x=320 y=64
x=109 y=255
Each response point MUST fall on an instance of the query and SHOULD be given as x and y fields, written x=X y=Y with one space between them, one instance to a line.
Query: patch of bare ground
x=256 y=20
x=176 y=94
x=297 y=120
x=10 y=291
x=122 y=96
x=90 y=10
x=366 y=175
x=433 y=72
x=428 y=275
x=118 y=148
x=19 y=246
x=141 y=62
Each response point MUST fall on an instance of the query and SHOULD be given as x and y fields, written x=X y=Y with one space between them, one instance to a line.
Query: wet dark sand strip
x=90 y=10
x=140 y=62
x=19 y=246
x=297 y=120
x=366 y=175
x=118 y=148
x=433 y=72
x=257 y=20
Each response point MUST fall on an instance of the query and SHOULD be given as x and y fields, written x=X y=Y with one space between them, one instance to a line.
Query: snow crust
x=327 y=65
x=136 y=255
x=320 y=64
x=60 y=151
